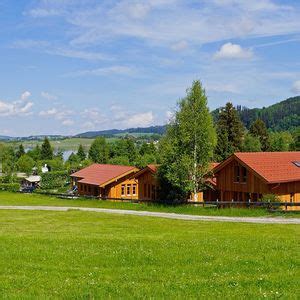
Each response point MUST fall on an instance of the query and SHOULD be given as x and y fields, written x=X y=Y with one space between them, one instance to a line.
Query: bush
x=53 y=180
x=271 y=200
x=10 y=187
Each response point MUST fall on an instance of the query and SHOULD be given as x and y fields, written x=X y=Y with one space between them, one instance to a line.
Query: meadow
x=9 y=198
x=80 y=255
x=68 y=144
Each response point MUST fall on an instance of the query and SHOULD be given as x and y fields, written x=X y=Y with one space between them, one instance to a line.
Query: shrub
x=271 y=200
x=11 y=187
x=53 y=180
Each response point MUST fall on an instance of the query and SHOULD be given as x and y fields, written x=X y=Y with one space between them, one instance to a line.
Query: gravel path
x=258 y=220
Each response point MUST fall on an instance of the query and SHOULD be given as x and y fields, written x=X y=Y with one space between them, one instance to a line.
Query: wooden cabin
x=249 y=176
x=107 y=181
x=117 y=182
x=148 y=185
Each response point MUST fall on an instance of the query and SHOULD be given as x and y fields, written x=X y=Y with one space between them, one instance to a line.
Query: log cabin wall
x=148 y=186
x=238 y=186
x=124 y=188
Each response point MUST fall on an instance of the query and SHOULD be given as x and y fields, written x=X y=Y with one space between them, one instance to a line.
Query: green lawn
x=84 y=255
x=7 y=198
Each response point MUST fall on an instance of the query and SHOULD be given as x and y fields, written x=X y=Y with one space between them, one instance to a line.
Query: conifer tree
x=230 y=125
x=258 y=129
x=46 y=150
x=80 y=153
x=20 y=151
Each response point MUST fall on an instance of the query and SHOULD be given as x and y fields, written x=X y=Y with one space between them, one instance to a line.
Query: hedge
x=52 y=180
x=11 y=187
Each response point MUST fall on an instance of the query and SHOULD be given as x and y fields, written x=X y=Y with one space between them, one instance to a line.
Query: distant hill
x=284 y=115
x=114 y=132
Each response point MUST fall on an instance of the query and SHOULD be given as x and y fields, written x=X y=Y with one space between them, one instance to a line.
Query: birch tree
x=187 y=148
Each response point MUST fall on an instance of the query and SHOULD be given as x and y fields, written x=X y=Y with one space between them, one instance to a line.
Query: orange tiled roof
x=98 y=174
x=274 y=167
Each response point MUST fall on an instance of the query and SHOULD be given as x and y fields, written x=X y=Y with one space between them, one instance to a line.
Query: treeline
x=233 y=136
x=122 y=152
x=282 y=116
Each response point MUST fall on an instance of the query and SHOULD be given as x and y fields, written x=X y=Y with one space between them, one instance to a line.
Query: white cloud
x=296 y=87
x=20 y=107
x=25 y=95
x=221 y=88
x=47 y=47
x=105 y=71
x=67 y=122
x=48 y=96
x=180 y=46
x=49 y=112
x=165 y=22
x=140 y=119
x=233 y=51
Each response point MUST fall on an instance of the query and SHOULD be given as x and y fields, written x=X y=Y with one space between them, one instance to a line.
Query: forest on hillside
x=282 y=116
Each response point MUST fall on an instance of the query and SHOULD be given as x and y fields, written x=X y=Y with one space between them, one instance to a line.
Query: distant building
x=249 y=176
x=45 y=169
x=32 y=181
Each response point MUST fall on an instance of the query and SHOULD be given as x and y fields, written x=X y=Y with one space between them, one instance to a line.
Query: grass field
x=83 y=255
x=69 y=144
x=7 y=198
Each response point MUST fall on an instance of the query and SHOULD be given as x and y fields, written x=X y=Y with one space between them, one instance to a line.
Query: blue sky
x=69 y=66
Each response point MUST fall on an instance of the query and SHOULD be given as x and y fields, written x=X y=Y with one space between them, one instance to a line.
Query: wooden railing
x=217 y=203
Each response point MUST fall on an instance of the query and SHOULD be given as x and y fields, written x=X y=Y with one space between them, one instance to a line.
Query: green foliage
x=187 y=148
x=251 y=144
x=295 y=145
x=119 y=160
x=25 y=164
x=99 y=151
x=35 y=153
x=258 y=129
x=80 y=153
x=53 y=180
x=282 y=116
x=146 y=159
x=271 y=200
x=8 y=161
x=281 y=141
x=10 y=187
x=230 y=131
x=223 y=148
x=20 y=151
x=46 y=151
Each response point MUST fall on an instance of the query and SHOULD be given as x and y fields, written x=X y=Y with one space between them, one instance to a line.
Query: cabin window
x=128 y=189
x=145 y=190
x=134 y=189
x=292 y=197
x=89 y=188
x=85 y=188
x=236 y=173
x=123 y=190
x=244 y=174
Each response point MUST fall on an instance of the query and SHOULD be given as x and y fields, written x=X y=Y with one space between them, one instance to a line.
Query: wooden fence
x=218 y=204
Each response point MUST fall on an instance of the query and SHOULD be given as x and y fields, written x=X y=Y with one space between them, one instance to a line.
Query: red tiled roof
x=274 y=167
x=98 y=174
